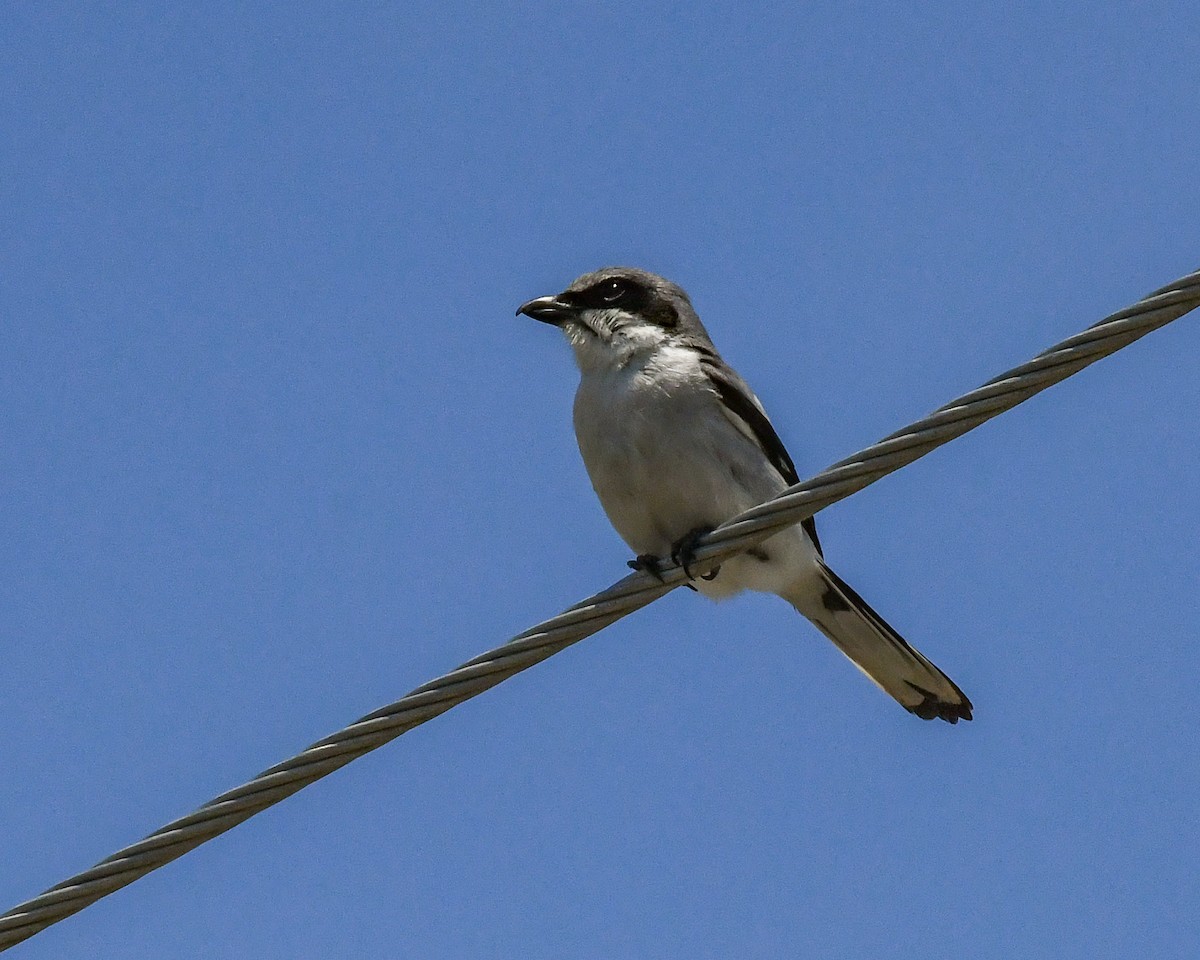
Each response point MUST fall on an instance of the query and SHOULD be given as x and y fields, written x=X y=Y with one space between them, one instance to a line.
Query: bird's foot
x=684 y=553
x=649 y=563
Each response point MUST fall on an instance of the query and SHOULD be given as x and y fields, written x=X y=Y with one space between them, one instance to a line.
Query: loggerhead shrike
x=675 y=443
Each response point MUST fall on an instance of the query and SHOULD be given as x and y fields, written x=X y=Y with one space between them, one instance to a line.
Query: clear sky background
x=275 y=450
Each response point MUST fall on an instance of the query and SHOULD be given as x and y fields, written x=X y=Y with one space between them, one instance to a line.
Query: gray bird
x=675 y=443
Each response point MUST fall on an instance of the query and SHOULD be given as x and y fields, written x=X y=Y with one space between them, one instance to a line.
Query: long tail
x=877 y=650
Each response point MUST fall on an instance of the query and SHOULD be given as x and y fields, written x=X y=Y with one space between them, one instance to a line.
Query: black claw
x=652 y=565
x=683 y=553
x=648 y=563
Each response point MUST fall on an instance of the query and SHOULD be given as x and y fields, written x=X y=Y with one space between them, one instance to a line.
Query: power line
x=582 y=620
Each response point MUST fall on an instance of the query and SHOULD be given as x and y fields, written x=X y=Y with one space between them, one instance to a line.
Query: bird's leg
x=683 y=552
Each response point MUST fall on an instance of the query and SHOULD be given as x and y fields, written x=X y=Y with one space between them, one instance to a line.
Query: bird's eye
x=611 y=291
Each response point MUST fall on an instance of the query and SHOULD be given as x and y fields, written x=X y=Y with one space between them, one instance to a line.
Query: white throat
x=612 y=340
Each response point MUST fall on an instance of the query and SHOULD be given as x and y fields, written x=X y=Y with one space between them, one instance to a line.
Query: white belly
x=667 y=461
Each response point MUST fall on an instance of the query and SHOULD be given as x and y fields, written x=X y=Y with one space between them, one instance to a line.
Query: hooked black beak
x=548 y=309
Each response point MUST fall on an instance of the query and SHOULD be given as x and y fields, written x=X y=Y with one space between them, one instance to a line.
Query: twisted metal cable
x=635 y=591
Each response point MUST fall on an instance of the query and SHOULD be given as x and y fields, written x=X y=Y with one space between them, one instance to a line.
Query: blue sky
x=275 y=450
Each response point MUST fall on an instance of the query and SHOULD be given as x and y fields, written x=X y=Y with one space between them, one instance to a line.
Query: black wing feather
x=738 y=398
